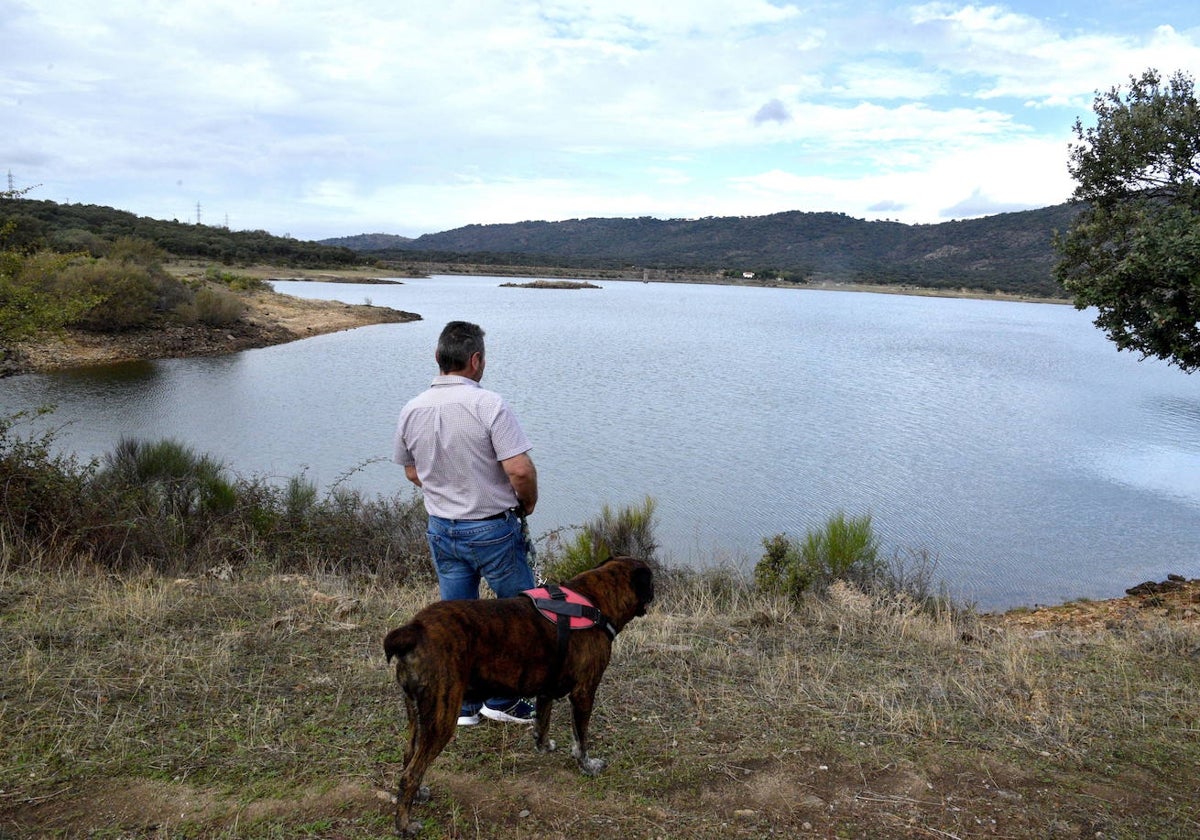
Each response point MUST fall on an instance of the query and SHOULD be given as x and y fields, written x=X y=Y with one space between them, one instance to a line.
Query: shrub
x=217 y=307
x=236 y=282
x=780 y=568
x=43 y=495
x=160 y=505
x=29 y=300
x=130 y=250
x=626 y=531
x=169 y=477
x=125 y=295
x=844 y=549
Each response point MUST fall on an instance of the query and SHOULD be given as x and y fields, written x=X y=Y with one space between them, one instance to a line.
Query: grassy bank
x=192 y=654
x=260 y=706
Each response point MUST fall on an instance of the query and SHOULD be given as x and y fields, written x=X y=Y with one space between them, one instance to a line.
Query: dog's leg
x=431 y=725
x=582 y=699
x=411 y=719
x=541 y=727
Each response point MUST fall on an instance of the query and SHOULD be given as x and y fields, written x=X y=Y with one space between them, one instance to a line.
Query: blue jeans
x=466 y=552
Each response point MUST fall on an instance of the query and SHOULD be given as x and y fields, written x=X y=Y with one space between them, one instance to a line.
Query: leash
x=530 y=549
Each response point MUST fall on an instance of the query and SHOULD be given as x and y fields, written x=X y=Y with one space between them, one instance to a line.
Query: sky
x=325 y=119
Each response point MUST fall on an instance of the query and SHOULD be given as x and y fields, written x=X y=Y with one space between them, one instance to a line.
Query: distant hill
x=366 y=242
x=1008 y=252
x=87 y=227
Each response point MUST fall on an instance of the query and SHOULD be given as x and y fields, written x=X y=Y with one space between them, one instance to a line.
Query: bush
x=125 y=295
x=236 y=282
x=29 y=301
x=43 y=495
x=160 y=505
x=626 y=531
x=844 y=549
x=217 y=307
x=130 y=250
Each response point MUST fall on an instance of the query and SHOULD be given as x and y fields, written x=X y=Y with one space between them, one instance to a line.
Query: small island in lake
x=550 y=284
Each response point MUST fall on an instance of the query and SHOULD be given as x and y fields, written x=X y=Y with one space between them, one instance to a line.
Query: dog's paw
x=547 y=745
x=408 y=828
x=423 y=796
x=592 y=766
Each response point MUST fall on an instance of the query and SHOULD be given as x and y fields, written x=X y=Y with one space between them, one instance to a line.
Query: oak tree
x=1133 y=252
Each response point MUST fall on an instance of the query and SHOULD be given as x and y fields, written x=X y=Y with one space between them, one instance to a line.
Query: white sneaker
x=519 y=711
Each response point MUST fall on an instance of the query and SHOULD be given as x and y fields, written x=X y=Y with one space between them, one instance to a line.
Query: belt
x=499 y=515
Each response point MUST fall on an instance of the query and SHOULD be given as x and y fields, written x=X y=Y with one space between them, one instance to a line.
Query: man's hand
x=410 y=472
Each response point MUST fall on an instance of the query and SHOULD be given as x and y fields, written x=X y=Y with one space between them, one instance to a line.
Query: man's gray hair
x=457 y=343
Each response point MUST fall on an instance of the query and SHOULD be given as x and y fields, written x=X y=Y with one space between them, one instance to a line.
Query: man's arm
x=410 y=472
x=522 y=475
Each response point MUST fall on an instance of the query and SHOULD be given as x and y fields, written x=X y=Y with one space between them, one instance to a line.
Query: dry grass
x=261 y=707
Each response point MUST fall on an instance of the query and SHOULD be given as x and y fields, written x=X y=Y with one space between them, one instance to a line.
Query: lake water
x=1010 y=440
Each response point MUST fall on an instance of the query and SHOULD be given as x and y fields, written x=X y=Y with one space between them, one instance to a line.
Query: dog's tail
x=401 y=640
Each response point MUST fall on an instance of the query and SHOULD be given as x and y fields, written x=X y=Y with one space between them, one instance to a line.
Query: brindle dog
x=453 y=651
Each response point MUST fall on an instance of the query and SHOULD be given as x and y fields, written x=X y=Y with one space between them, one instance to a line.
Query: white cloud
x=322 y=117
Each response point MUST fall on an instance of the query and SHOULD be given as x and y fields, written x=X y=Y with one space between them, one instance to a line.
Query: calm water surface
x=1010 y=440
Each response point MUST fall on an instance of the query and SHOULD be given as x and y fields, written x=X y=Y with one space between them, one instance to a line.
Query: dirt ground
x=1174 y=599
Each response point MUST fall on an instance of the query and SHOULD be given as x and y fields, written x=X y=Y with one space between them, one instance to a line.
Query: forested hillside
x=87 y=227
x=1009 y=252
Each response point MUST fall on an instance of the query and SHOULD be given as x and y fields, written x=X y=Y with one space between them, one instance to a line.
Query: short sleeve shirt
x=456 y=434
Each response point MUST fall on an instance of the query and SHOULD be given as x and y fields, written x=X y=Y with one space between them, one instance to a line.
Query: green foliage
x=162 y=506
x=217 y=307
x=157 y=503
x=76 y=240
x=44 y=290
x=1134 y=251
x=844 y=549
x=780 y=569
x=128 y=287
x=45 y=220
x=168 y=478
x=130 y=250
x=125 y=295
x=42 y=493
x=626 y=531
x=29 y=301
x=237 y=282
x=1009 y=251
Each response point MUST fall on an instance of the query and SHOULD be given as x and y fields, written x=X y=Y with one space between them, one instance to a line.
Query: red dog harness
x=569 y=611
x=566 y=606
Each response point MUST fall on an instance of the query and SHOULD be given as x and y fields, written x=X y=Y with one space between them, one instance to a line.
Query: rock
x=1171 y=584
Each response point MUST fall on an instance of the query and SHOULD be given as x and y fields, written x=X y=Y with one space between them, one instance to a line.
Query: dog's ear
x=643 y=585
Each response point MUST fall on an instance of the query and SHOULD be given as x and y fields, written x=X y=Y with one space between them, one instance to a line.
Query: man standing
x=462 y=445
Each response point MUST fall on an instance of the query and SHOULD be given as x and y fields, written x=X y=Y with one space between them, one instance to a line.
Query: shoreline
x=271 y=318
x=424 y=270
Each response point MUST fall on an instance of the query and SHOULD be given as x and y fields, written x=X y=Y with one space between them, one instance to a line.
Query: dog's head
x=622 y=587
